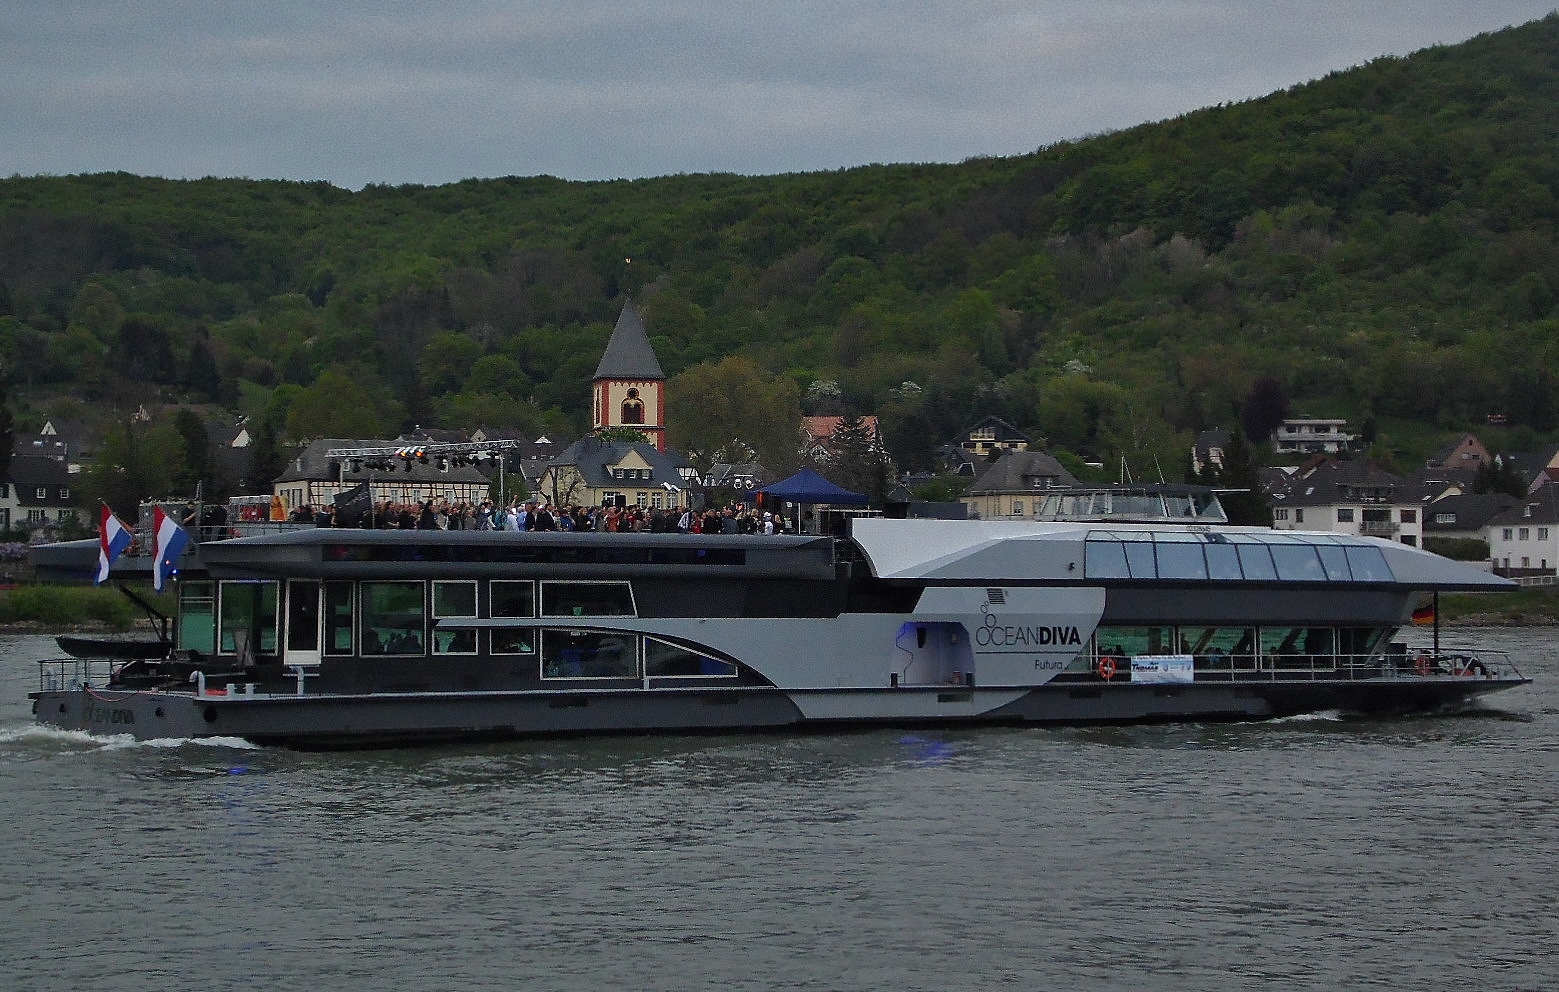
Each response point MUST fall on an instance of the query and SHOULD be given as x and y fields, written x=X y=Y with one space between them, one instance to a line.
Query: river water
x=1314 y=853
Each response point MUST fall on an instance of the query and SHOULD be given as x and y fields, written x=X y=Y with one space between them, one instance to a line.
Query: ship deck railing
x=68 y=674
x=1451 y=663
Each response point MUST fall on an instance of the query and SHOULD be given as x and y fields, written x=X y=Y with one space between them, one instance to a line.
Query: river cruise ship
x=1117 y=605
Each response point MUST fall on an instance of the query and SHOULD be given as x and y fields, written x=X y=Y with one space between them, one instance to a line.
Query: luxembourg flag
x=112 y=539
x=171 y=540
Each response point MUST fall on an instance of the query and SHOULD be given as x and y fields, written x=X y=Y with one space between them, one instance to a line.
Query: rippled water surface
x=1308 y=853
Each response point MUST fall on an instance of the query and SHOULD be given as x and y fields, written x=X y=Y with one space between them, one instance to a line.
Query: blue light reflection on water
x=1318 y=852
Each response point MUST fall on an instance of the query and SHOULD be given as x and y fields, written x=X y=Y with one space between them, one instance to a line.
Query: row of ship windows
x=1234 y=561
x=400 y=618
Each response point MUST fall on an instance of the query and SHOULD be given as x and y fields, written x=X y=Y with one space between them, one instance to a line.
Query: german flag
x=1424 y=616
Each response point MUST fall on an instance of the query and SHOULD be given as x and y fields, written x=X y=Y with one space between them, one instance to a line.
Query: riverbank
x=1533 y=607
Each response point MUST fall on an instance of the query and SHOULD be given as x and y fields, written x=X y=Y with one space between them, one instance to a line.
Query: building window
x=1345 y=514
x=42 y=493
x=392 y=616
x=1445 y=518
x=1525 y=534
x=1299 y=516
x=1542 y=533
x=517 y=599
x=1017 y=507
x=64 y=492
x=453 y=599
x=1506 y=534
x=1410 y=516
x=633 y=408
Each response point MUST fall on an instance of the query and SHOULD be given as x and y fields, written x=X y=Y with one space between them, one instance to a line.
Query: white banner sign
x=1162 y=668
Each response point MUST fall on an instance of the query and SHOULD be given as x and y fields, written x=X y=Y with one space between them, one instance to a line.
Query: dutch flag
x=113 y=537
x=171 y=540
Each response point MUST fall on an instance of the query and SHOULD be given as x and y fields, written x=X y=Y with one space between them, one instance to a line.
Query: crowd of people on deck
x=537 y=515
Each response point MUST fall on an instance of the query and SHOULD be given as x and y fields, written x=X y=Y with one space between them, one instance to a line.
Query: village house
x=1524 y=540
x=314 y=478
x=1311 y=435
x=36 y=492
x=991 y=435
x=1465 y=516
x=1347 y=497
x=623 y=473
x=1014 y=484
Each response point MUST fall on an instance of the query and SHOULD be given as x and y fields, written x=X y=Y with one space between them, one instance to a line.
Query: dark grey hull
x=391 y=720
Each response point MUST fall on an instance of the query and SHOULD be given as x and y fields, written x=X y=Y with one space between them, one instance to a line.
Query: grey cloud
x=388 y=92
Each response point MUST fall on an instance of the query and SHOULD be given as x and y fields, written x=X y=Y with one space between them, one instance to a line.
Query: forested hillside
x=1381 y=242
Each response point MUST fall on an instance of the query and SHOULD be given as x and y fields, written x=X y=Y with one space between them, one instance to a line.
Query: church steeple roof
x=628 y=353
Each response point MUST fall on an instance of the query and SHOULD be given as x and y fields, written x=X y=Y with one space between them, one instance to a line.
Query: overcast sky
x=370 y=91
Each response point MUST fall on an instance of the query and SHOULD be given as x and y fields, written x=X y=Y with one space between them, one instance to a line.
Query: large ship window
x=1139 y=559
x=338 y=618
x=1105 y=560
x=1223 y=561
x=453 y=599
x=249 y=615
x=586 y=599
x=1368 y=565
x=1302 y=646
x=1334 y=560
x=1122 y=643
x=517 y=599
x=393 y=617
x=582 y=654
x=1220 y=649
x=197 y=616
x=1256 y=562
x=663 y=660
x=1181 y=560
x=1356 y=645
x=1298 y=563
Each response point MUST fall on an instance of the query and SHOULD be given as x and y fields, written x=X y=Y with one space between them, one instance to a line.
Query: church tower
x=629 y=389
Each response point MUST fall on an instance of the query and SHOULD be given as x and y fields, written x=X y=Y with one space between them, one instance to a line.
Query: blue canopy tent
x=806 y=486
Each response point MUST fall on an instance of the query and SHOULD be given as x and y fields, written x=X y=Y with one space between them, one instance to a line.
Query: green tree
x=336 y=405
x=447 y=361
x=195 y=467
x=137 y=463
x=1499 y=476
x=266 y=461
x=857 y=462
x=731 y=411
x=1243 y=500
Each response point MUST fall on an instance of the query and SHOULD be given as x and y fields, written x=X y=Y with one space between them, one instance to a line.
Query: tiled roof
x=628 y=352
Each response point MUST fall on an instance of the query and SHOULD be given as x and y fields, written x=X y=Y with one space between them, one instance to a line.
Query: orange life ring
x=1421 y=664
x=1106 y=668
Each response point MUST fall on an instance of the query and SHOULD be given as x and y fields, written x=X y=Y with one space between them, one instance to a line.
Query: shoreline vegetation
x=48 y=609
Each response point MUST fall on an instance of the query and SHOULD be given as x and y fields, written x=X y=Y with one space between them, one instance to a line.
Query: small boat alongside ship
x=1116 y=605
x=124 y=648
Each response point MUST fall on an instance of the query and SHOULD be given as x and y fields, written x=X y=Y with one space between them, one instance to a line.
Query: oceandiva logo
x=992 y=633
